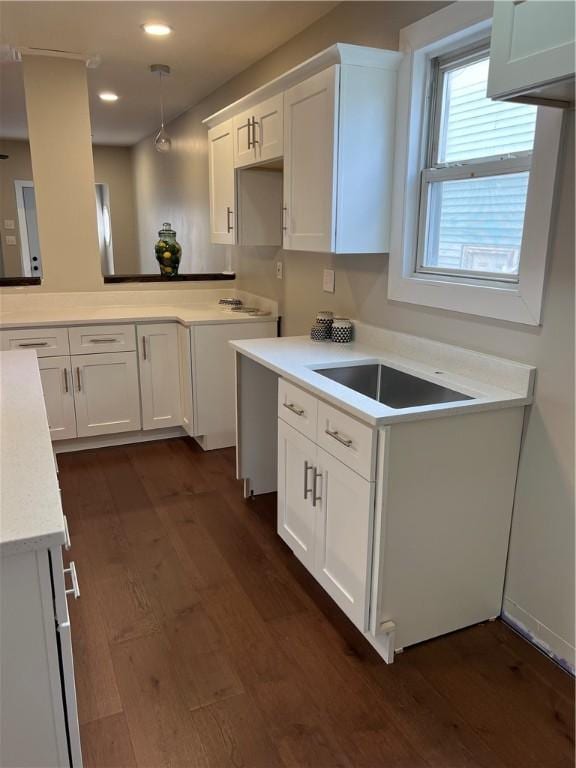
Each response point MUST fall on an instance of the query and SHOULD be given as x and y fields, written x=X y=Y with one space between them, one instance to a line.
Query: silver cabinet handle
x=294 y=409
x=103 y=341
x=229 y=212
x=33 y=344
x=249 y=126
x=254 y=139
x=307 y=490
x=337 y=436
x=75 y=589
x=66 y=388
x=78 y=378
x=144 y=352
x=67 y=542
x=315 y=496
x=284 y=210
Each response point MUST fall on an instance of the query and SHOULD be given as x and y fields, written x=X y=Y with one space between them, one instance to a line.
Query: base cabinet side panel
x=445 y=522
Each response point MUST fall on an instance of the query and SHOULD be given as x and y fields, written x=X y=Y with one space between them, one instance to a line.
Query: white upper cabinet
x=311 y=128
x=106 y=393
x=259 y=133
x=532 y=52
x=329 y=125
x=159 y=375
x=56 y=376
x=222 y=184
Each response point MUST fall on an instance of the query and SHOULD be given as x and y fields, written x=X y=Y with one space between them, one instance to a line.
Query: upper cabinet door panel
x=244 y=149
x=222 y=184
x=268 y=130
x=310 y=139
x=532 y=46
x=159 y=375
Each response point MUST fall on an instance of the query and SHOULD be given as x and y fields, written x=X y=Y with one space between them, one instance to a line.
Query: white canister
x=341 y=330
x=325 y=318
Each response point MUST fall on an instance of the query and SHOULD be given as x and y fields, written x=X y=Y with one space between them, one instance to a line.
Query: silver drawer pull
x=337 y=436
x=75 y=589
x=33 y=344
x=294 y=409
x=103 y=341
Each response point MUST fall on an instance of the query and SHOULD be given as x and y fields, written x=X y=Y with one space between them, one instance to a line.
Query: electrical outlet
x=9 y=224
x=328 y=281
x=279 y=270
x=10 y=240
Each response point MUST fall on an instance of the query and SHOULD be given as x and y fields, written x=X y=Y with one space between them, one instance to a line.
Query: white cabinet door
x=296 y=506
x=56 y=375
x=532 y=50
x=310 y=140
x=106 y=396
x=159 y=375
x=343 y=549
x=259 y=133
x=214 y=376
x=222 y=184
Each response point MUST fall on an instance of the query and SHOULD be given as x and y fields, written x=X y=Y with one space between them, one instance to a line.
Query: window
x=474 y=179
x=475 y=183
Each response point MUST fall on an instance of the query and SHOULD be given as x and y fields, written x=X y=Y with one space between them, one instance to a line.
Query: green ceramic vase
x=168 y=251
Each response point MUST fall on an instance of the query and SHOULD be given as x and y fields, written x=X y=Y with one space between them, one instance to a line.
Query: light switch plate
x=10 y=240
x=328 y=281
x=9 y=224
x=279 y=270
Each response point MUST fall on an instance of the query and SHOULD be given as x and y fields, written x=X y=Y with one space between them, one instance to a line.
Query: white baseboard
x=123 y=438
x=539 y=635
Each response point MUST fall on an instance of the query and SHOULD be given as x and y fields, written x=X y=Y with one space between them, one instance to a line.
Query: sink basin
x=390 y=386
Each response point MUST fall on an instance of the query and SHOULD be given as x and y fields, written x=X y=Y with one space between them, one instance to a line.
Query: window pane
x=473 y=126
x=476 y=224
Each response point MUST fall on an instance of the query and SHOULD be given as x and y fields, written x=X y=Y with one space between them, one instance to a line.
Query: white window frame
x=455 y=27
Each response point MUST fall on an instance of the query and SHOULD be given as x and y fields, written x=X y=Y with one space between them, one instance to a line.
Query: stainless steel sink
x=391 y=387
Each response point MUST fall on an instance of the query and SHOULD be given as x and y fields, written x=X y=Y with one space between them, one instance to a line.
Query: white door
x=222 y=184
x=214 y=378
x=159 y=375
x=106 y=395
x=310 y=142
x=268 y=128
x=56 y=375
x=344 y=537
x=296 y=506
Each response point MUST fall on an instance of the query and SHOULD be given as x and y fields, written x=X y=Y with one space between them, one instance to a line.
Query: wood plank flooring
x=200 y=640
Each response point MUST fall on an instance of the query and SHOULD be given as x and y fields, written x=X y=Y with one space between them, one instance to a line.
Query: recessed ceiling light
x=108 y=96
x=158 y=30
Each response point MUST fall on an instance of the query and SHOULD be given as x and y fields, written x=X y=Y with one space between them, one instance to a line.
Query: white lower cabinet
x=296 y=513
x=325 y=515
x=106 y=393
x=56 y=376
x=159 y=375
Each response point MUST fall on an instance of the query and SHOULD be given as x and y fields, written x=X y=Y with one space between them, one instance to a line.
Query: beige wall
x=113 y=166
x=18 y=166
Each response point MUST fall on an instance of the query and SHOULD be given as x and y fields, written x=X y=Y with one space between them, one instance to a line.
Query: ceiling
x=211 y=42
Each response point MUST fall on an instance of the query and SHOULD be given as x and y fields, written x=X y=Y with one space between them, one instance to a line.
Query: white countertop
x=199 y=314
x=492 y=382
x=30 y=507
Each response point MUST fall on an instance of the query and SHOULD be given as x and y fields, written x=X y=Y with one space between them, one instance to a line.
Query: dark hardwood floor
x=200 y=640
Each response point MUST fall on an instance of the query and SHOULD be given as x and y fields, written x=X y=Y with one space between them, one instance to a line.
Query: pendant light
x=162 y=141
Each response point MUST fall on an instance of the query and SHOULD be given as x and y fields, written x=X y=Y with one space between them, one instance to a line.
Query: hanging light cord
x=161 y=102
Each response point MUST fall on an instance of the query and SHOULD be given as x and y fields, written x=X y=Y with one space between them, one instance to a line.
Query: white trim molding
x=453 y=27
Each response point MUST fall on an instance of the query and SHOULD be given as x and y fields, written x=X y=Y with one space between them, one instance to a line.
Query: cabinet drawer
x=297 y=408
x=89 y=339
x=48 y=342
x=347 y=439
